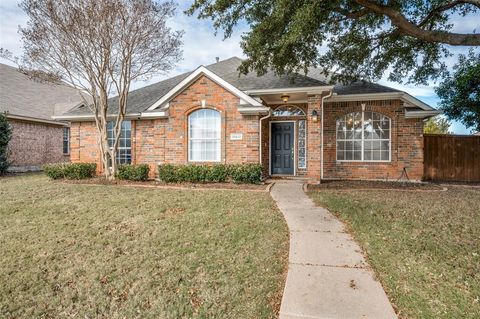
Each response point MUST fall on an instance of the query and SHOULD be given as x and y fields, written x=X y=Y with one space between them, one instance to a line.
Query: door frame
x=294 y=147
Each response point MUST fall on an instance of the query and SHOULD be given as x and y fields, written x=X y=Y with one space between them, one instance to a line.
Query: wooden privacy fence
x=452 y=158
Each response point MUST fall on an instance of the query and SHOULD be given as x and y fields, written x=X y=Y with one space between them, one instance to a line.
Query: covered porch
x=290 y=134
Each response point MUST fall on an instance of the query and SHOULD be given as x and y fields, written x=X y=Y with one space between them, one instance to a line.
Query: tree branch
x=408 y=28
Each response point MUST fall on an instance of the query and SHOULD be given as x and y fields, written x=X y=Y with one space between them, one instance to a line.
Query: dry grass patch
x=424 y=246
x=88 y=251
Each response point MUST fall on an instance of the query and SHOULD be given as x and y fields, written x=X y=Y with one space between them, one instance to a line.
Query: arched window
x=204 y=130
x=288 y=110
x=363 y=136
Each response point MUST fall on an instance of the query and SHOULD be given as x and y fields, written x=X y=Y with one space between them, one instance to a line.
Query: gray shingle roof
x=22 y=96
x=360 y=87
x=141 y=99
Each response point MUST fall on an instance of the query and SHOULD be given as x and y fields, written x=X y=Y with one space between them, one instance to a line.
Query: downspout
x=321 y=156
x=261 y=136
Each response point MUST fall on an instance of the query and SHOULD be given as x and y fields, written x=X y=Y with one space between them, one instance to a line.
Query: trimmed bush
x=70 y=170
x=246 y=173
x=218 y=173
x=133 y=172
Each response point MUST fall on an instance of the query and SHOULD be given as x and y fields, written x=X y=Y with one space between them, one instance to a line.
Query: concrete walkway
x=327 y=273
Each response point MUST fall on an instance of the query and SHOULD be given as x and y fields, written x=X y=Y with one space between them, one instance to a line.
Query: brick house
x=29 y=106
x=293 y=126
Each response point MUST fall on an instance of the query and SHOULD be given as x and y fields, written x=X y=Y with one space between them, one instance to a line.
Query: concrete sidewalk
x=327 y=274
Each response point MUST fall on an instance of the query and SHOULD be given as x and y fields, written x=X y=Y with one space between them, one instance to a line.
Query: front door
x=282 y=139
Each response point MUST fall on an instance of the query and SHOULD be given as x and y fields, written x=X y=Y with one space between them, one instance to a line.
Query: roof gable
x=161 y=102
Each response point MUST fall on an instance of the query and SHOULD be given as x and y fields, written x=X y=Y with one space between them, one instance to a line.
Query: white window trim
x=362 y=160
x=209 y=139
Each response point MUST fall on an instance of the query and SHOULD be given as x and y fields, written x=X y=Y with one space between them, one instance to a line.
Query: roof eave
x=421 y=114
x=405 y=97
x=37 y=120
x=310 y=90
x=252 y=110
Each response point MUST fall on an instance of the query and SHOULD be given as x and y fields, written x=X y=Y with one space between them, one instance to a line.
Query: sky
x=201 y=46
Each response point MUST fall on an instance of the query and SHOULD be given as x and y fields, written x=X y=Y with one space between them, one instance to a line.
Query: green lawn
x=423 y=246
x=87 y=251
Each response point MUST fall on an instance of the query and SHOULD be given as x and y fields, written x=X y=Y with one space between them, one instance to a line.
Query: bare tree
x=101 y=47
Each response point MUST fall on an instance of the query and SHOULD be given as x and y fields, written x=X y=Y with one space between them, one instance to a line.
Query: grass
x=89 y=251
x=423 y=246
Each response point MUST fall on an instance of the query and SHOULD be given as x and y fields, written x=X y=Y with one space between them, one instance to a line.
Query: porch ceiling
x=300 y=97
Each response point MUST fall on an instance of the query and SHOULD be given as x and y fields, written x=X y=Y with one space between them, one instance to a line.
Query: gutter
x=321 y=155
x=129 y=116
x=421 y=114
x=308 y=89
x=405 y=97
x=33 y=119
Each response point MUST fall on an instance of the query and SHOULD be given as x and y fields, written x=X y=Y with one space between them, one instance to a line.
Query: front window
x=124 y=151
x=363 y=136
x=204 y=130
x=66 y=140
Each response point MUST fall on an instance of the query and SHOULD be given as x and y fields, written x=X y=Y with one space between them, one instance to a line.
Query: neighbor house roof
x=29 y=99
x=147 y=98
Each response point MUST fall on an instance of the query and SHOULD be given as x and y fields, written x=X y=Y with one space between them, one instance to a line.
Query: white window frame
x=122 y=147
x=204 y=139
x=363 y=140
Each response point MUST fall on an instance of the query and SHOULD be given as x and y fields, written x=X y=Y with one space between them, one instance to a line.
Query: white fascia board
x=193 y=76
x=308 y=89
x=405 y=97
x=421 y=114
x=91 y=117
x=33 y=119
x=252 y=110
x=154 y=115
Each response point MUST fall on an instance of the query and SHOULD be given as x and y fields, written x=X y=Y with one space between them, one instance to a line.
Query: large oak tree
x=101 y=47
x=356 y=38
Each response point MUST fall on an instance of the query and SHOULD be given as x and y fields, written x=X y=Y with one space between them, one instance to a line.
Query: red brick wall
x=406 y=143
x=35 y=144
x=84 y=146
x=166 y=140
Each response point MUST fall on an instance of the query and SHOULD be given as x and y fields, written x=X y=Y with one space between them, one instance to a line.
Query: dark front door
x=282 y=148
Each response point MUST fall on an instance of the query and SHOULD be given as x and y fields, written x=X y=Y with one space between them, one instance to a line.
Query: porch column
x=314 y=132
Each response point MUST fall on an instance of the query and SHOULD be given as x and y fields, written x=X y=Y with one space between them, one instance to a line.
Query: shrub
x=168 y=173
x=5 y=136
x=70 y=170
x=218 y=173
x=246 y=173
x=133 y=172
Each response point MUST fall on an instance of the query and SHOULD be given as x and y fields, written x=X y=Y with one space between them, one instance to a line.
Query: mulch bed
x=154 y=183
x=372 y=185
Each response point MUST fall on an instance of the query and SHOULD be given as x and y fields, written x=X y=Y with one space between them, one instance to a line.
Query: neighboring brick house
x=293 y=126
x=29 y=105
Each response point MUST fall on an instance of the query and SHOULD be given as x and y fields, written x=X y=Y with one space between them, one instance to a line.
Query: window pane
x=340 y=156
x=385 y=156
x=357 y=155
x=124 y=152
x=204 y=135
x=376 y=155
x=348 y=155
